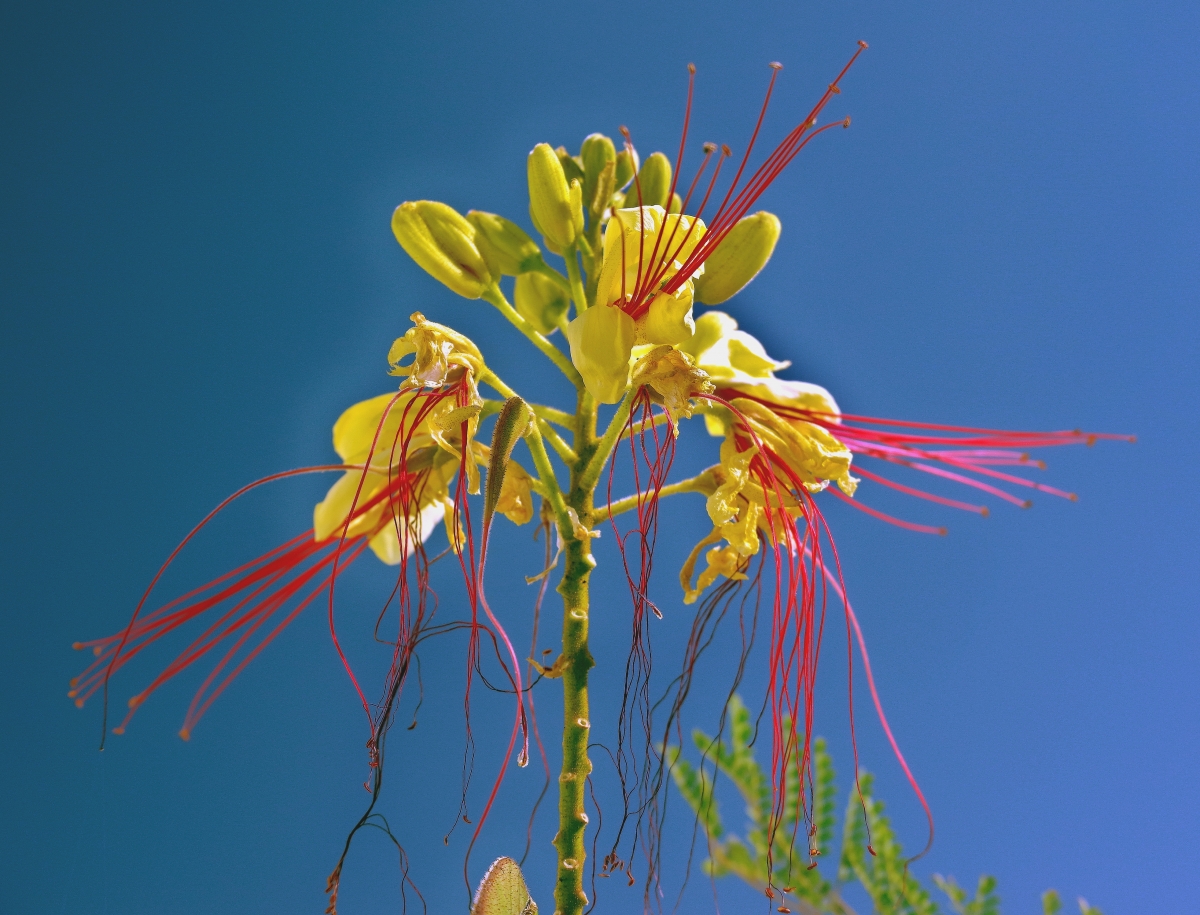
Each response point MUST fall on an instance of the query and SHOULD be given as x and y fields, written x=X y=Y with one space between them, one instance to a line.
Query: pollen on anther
x=692 y=69
x=985 y=511
x=846 y=123
x=185 y=734
x=834 y=89
x=118 y=730
x=775 y=65
x=1073 y=496
x=862 y=44
x=943 y=531
x=77 y=645
x=1028 y=503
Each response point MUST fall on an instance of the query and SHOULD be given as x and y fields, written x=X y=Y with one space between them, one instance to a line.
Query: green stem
x=550 y=273
x=576 y=281
x=558 y=417
x=604 y=447
x=569 y=896
x=692 y=484
x=494 y=296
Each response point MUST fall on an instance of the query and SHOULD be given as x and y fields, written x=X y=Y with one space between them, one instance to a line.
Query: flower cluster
x=640 y=253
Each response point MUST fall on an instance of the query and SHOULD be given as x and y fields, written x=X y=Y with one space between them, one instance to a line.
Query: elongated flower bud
x=504 y=244
x=540 y=301
x=550 y=196
x=653 y=183
x=626 y=167
x=738 y=258
x=599 y=171
x=444 y=243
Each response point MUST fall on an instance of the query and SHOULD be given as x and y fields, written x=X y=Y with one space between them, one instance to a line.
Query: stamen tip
x=97 y=650
x=871 y=849
x=135 y=701
x=185 y=734
x=1074 y=497
x=862 y=44
x=120 y=729
x=1028 y=503
x=77 y=645
x=1041 y=465
x=985 y=512
x=833 y=87
x=775 y=65
x=1131 y=438
x=691 y=69
x=846 y=123
x=78 y=703
x=943 y=531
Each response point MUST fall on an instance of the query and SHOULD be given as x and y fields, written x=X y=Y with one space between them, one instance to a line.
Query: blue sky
x=198 y=276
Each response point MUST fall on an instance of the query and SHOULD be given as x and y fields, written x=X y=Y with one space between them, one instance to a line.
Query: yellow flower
x=672 y=379
x=376 y=492
x=644 y=249
x=767 y=440
x=406 y=448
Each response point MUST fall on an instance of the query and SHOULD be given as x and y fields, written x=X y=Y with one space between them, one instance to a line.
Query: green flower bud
x=504 y=244
x=739 y=256
x=540 y=301
x=654 y=182
x=599 y=168
x=627 y=166
x=572 y=165
x=550 y=201
x=444 y=243
x=577 y=206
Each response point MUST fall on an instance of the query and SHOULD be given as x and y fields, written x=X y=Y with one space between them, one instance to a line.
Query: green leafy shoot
x=780 y=865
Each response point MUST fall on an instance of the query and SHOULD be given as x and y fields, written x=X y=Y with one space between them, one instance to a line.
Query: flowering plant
x=641 y=249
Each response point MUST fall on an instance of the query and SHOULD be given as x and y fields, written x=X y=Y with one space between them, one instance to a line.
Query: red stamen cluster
x=652 y=271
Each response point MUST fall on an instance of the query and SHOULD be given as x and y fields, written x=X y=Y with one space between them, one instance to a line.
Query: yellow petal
x=359 y=425
x=601 y=339
x=331 y=512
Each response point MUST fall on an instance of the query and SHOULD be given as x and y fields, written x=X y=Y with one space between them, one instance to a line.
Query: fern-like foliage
x=778 y=856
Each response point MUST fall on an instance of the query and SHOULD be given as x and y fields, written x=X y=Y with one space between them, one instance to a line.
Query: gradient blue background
x=198 y=275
